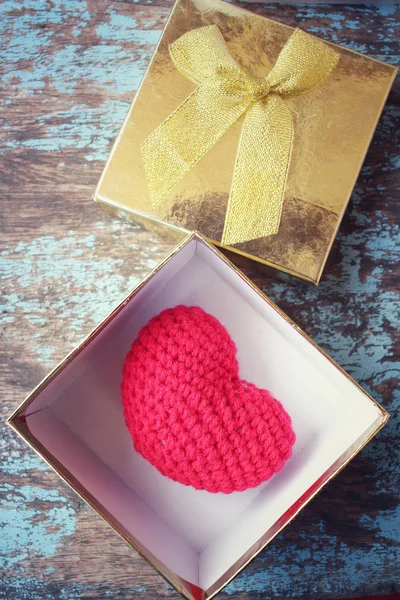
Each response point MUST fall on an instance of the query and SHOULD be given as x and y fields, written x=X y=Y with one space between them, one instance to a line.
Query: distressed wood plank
x=69 y=72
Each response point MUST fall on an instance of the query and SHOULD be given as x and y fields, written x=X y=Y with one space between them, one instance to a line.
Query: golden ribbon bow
x=225 y=92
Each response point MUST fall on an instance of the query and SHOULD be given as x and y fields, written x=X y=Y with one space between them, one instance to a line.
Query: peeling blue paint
x=50 y=570
x=26 y=20
x=104 y=65
x=381 y=525
x=15 y=462
x=43 y=353
x=387 y=9
x=59 y=264
x=24 y=530
x=30 y=588
x=87 y=135
x=126 y=29
x=303 y=571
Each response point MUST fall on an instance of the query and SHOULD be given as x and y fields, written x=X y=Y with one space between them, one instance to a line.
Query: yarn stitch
x=189 y=413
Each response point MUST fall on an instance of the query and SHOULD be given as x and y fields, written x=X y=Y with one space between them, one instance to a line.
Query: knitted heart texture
x=191 y=415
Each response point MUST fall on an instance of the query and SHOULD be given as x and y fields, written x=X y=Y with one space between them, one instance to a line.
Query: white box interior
x=198 y=535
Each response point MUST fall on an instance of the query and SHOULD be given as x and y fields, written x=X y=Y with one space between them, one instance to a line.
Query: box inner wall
x=196 y=534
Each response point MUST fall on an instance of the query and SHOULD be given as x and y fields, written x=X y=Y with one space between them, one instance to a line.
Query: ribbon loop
x=224 y=94
x=302 y=65
x=202 y=53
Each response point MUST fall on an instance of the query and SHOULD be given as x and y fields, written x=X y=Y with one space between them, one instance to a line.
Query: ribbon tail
x=259 y=179
x=188 y=134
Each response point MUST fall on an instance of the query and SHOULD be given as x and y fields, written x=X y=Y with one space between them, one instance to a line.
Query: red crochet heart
x=190 y=414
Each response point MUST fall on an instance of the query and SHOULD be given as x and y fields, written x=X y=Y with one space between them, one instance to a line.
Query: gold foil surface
x=333 y=127
x=226 y=93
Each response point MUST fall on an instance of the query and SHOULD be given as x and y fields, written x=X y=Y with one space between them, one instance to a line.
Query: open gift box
x=197 y=540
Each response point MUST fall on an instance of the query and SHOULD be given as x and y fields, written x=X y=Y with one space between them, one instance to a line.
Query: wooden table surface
x=69 y=71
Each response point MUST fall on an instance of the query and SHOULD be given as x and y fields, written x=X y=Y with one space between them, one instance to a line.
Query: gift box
x=258 y=147
x=197 y=540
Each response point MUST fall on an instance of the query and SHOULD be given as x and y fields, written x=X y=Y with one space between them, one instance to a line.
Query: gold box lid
x=333 y=127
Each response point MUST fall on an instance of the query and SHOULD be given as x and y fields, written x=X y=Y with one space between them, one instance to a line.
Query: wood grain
x=69 y=72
